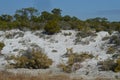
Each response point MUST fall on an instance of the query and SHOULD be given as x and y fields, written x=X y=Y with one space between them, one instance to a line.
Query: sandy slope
x=58 y=42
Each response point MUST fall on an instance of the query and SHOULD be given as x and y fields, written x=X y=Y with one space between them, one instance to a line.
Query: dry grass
x=4 y=75
x=98 y=78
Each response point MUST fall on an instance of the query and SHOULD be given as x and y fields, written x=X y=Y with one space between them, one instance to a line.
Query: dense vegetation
x=29 y=19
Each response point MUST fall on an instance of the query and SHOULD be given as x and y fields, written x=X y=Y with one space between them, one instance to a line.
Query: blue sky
x=83 y=9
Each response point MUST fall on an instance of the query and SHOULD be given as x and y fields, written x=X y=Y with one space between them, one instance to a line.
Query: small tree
x=56 y=11
x=52 y=27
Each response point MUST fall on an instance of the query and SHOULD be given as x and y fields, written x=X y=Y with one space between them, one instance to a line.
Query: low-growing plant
x=85 y=34
x=10 y=35
x=111 y=50
x=81 y=35
x=32 y=60
x=105 y=38
x=116 y=56
x=75 y=57
x=54 y=51
x=1 y=45
x=115 y=40
x=110 y=65
x=68 y=34
x=107 y=65
x=65 y=68
x=69 y=52
x=117 y=68
x=86 y=42
x=74 y=60
x=77 y=40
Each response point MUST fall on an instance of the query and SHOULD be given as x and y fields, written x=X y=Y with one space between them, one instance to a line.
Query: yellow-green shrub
x=117 y=69
x=75 y=57
x=32 y=60
x=65 y=68
x=74 y=60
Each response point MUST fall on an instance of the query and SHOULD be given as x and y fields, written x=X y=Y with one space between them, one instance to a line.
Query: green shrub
x=74 y=60
x=105 y=38
x=1 y=45
x=85 y=34
x=31 y=60
x=52 y=27
x=65 y=68
x=98 y=29
x=68 y=34
x=110 y=65
x=75 y=57
x=116 y=56
x=117 y=68
x=115 y=40
x=111 y=50
x=107 y=65
x=54 y=51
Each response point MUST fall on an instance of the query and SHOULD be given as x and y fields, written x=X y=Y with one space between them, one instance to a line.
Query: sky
x=82 y=9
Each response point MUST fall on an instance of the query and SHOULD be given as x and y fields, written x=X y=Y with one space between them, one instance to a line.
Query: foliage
x=116 y=56
x=105 y=38
x=85 y=34
x=65 y=68
x=75 y=57
x=82 y=34
x=30 y=18
x=33 y=59
x=52 y=27
x=68 y=34
x=74 y=60
x=66 y=18
x=109 y=64
x=1 y=45
x=25 y=13
x=6 y=17
x=117 y=68
x=45 y=16
x=110 y=50
x=56 y=11
x=54 y=51
x=115 y=40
